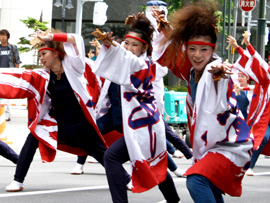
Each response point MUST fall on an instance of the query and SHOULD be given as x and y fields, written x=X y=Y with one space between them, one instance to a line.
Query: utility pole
x=223 y=54
x=229 y=25
x=235 y=15
x=261 y=29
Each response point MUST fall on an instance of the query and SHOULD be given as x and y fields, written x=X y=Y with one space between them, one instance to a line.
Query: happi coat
x=143 y=126
x=258 y=70
x=220 y=138
x=33 y=84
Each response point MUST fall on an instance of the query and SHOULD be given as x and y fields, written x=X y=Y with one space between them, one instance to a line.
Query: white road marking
x=262 y=174
x=14 y=194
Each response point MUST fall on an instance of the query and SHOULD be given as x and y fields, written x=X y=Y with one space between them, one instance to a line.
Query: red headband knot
x=51 y=49
x=201 y=43
x=137 y=38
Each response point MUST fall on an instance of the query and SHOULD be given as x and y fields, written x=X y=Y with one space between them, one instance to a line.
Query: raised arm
x=95 y=43
x=61 y=37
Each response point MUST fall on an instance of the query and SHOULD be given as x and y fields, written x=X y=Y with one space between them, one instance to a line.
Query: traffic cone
x=3 y=134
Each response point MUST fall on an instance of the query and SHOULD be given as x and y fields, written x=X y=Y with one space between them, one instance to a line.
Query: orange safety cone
x=3 y=134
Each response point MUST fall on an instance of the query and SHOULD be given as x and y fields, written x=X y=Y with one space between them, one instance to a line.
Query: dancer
x=8 y=152
x=258 y=118
x=144 y=142
x=243 y=90
x=221 y=151
x=60 y=107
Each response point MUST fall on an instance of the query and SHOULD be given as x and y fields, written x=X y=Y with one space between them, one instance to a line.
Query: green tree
x=34 y=24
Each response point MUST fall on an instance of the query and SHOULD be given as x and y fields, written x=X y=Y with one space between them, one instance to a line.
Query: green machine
x=175 y=107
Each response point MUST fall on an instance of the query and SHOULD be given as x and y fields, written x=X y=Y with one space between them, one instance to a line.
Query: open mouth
x=198 y=62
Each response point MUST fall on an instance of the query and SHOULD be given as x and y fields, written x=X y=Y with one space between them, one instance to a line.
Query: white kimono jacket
x=144 y=131
x=220 y=138
x=33 y=84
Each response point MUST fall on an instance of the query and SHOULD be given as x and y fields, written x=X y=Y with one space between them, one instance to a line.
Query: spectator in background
x=92 y=54
x=9 y=57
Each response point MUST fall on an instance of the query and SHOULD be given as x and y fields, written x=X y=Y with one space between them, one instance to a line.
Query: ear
x=145 y=47
x=55 y=54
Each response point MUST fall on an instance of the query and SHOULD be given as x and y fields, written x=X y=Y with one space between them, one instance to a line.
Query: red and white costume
x=144 y=131
x=220 y=138
x=33 y=84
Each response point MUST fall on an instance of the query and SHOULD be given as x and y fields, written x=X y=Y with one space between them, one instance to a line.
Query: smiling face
x=243 y=80
x=200 y=55
x=135 y=46
x=48 y=58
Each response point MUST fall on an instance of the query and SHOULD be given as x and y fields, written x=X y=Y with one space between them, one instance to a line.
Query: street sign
x=247 y=5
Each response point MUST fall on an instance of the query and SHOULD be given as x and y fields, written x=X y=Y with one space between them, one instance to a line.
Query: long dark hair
x=194 y=20
x=143 y=27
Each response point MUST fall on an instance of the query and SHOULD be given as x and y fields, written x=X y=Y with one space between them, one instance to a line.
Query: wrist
x=50 y=36
x=61 y=37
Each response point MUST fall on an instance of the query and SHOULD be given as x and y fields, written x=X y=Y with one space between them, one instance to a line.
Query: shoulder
x=14 y=46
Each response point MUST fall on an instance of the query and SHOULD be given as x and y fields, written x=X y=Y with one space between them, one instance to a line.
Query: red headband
x=136 y=38
x=48 y=48
x=201 y=43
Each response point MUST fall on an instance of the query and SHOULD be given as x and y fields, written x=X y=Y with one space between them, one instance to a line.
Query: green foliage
x=143 y=8
x=173 y=5
x=177 y=88
x=24 y=41
x=24 y=49
x=34 y=24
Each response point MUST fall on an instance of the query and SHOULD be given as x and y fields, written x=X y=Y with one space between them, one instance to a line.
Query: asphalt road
x=52 y=182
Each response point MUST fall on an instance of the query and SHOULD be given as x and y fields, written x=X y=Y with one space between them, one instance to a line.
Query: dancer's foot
x=15 y=186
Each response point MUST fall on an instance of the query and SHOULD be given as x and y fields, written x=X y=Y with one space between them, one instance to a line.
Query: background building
x=12 y=11
x=117 y=12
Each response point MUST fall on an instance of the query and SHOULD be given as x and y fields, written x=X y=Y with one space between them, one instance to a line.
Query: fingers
x=219 y=72
x=140 y=14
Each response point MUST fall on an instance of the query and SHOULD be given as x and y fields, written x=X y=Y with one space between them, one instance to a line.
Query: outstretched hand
x=231 y=41
x=106 y=38
x=226 y=63
x=95 y=43
x=246 y=36
x=44 y=36
x=160 y=18
x=237 y=89
x=41 y=36
x=220 y=71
